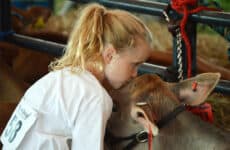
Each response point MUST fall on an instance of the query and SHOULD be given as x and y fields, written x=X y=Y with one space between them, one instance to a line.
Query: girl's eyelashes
x=134 y=65
x=137 y=64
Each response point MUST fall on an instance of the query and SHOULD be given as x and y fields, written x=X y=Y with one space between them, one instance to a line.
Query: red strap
x=204 y=111
x=181 y=6
x=150 y=138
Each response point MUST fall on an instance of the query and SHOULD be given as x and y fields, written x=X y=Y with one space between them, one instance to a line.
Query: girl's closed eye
x=136 y=64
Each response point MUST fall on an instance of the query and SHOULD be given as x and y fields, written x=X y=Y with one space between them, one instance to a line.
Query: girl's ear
x=108 y=53
x=195 y=90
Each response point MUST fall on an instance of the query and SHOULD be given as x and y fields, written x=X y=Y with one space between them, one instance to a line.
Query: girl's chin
x=116 y=86
x=121 y=85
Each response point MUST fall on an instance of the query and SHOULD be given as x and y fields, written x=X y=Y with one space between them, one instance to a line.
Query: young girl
x=69 y=107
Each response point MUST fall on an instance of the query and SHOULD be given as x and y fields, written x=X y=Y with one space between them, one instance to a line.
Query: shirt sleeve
x=89 y=129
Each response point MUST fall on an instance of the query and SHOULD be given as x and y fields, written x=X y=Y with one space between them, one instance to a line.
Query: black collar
x=142 y=136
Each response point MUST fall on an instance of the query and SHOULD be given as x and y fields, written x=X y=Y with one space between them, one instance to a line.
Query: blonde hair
x=96 y=27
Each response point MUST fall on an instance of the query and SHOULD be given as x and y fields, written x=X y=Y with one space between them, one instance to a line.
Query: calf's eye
x=140 y=114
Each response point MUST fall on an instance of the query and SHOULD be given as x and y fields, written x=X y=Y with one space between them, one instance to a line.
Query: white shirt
x=60 y=111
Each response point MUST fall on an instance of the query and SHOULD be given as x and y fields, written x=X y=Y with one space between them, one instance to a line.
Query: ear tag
x=194 y=86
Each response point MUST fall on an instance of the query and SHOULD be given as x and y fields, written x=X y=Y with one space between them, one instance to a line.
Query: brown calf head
x=148 y=98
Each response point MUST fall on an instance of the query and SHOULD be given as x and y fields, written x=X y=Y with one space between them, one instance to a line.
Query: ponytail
x=85 y=43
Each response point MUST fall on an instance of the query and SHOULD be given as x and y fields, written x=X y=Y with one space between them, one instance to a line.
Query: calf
x=147 y=99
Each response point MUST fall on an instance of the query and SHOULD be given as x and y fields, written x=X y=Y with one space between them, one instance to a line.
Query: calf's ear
x=195 y=90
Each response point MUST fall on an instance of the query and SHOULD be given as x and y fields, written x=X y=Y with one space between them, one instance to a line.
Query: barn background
x=21 y=67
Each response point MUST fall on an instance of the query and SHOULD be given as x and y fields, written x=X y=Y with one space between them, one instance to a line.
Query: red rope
x=150 y=138
x=182 y=7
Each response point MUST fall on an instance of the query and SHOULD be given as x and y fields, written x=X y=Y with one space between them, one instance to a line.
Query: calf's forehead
x=141 y=88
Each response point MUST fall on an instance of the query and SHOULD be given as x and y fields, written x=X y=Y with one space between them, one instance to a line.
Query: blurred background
x=53 y=20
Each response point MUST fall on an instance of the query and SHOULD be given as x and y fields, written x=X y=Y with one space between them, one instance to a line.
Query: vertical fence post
x=5 y=18
x=192 y=35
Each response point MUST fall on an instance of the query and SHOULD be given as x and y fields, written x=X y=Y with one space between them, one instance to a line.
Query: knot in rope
x=179 y=4
x=185 y=7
